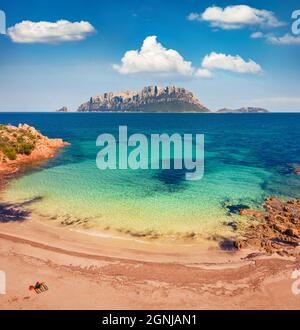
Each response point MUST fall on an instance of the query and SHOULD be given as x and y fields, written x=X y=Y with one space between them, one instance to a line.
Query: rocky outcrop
x=277 y=229
x=24 y=144
x=296 y=168
x=150 y=99
x=63 y=109
x=243 y=110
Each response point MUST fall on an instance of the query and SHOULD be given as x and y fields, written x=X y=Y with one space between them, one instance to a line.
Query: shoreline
x=98 y=243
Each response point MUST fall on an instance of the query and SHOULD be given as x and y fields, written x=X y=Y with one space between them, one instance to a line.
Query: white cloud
x=50 y=32
x=230 y=63
x=257 y=35
x=287 y=39
x=236 y=17
x=203 y=73
x=194 y=17
x=154 y=57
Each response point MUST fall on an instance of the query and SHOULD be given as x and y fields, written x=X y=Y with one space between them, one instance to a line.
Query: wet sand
x=100 y=271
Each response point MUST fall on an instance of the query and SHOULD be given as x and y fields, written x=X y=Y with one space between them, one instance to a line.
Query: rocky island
x=24 y=144
x=63 y=109
x=150 y=99
x=243 y=110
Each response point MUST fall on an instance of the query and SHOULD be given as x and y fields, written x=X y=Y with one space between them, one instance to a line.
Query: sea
x=248 y=158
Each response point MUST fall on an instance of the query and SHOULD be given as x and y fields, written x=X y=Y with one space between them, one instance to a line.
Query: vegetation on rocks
x=14 y=141
x=24 y=144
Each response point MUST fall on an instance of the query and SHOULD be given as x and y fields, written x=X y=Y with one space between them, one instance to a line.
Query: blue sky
x=43 y=73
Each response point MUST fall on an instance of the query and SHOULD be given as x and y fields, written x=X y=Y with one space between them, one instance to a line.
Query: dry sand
x=103 y=272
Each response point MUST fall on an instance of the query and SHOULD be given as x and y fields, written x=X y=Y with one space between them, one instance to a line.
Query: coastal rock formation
x=296 y=168
x=277 y=230
x=150 y=99
x=243 y=110
x=63 y=109
x=24 y=144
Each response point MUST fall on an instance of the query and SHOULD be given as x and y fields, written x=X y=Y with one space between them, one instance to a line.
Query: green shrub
x=14 y=143
x=25 y=148
x=8 y=151
x=11 y=154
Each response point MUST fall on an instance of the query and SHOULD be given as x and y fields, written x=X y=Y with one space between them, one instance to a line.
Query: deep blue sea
x=248 y=157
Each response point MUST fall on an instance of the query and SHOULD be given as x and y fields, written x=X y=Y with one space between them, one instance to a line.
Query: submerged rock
x=250 y=212
x=297 y=169
x=236 y=209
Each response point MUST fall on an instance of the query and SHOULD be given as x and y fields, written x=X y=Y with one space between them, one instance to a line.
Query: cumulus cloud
x=230 y=63
x=287 y=39
x=50 y=32
x=154 y=57
x=257 y=35
x=203 y=73
x=236 y=17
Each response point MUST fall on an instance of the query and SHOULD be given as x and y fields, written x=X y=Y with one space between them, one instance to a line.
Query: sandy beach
x=103 y=272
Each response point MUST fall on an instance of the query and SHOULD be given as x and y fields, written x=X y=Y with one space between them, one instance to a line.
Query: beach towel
x=42 y=288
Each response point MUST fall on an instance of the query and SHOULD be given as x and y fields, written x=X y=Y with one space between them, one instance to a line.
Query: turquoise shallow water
x=247 y=158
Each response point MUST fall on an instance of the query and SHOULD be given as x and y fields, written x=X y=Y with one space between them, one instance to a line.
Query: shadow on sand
x=15 y=212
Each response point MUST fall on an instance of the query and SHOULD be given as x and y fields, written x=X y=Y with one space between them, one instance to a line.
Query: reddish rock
x=251 y=212
x=44 y=148
x=297 y=169
x=277 y=230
